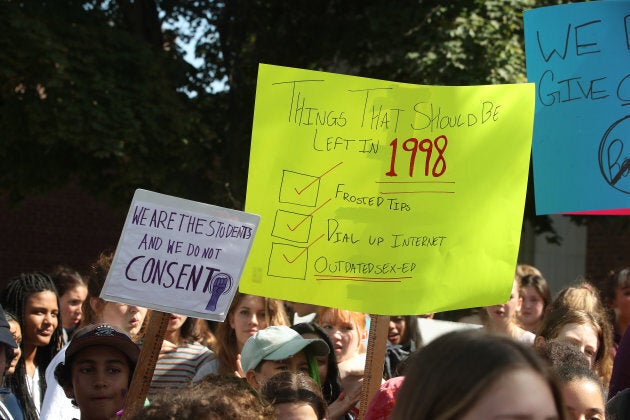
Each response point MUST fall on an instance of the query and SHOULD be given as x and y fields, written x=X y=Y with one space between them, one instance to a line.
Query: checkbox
x=298 y=188
x=295 y=227
x=288 y=261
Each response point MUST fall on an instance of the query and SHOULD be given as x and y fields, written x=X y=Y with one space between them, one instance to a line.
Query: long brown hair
x=226 y=337
x=561 y=315
x=95 y=281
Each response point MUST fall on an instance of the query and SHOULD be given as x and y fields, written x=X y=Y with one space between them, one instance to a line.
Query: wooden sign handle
x=151 y=345
x=374 y=360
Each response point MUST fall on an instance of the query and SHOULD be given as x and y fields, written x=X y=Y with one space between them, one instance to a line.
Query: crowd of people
x=67 y=354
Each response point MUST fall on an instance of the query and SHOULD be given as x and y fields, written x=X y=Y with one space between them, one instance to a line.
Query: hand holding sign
x=180 y=256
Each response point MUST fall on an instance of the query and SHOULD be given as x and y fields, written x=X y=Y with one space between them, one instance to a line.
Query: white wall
x=561 y=264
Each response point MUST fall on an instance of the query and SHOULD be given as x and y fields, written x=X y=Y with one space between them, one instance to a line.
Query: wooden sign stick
x=374 y=360
x=151 y=345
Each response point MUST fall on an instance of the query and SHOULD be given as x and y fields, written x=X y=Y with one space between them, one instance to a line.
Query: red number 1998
x=412 y=145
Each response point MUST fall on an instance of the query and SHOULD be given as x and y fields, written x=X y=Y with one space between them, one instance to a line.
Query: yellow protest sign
x=385 y=197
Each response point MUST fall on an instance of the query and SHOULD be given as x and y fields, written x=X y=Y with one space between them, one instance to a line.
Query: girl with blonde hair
x=247 y=315
x=502 y=319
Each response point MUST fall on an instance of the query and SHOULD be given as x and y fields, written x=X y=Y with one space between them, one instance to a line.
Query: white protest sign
x=180 y=256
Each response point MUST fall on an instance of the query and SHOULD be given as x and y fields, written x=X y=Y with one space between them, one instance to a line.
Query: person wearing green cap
x=279 y=348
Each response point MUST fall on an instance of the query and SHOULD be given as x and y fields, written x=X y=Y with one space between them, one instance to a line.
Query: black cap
x=5 y=331
x=105 y=335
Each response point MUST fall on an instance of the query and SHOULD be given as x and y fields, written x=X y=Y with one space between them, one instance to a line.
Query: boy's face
x=296 y=363
x=100 y=380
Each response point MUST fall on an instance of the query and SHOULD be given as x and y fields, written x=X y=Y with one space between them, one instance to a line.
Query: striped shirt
x=179 y=368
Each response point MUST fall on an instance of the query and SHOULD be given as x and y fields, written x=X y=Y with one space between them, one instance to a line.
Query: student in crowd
x=129 y=318
x=339 y=403
x=580 y=328
x=536 y=296
x=582 y=392
x=347 y=332
x=214 y=397
x=326 y=365
x=471 y=374
x=32 y=298
x=617 y=299
x=9 y=406
x=277 y=348
x=403 y=331
x=585 y=297
x=403 y=338
x=72 y=291
x=16 y=331
x=295 y=395
x=8 y=398
x=247 y=315
x=97 y=370
x=502 y=319
x=183 y=359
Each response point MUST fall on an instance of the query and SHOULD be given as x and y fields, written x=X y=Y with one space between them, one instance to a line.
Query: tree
x=92 y=95
x=98 y=91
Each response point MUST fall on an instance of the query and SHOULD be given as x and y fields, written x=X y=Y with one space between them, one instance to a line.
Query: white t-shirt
x=56 y=405
x=33 y=389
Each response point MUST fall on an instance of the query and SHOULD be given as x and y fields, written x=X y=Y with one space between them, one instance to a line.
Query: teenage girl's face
x=517 y=394
x=322 y=361
x=70 y=303
x=100 y=380
x=126 y=317
x=507 y=311
x=583 y=399
x=175 y=322
x=345 y=337
x=397 y=327
x=15 y=329
x=248 y=317
x=584 y=337
x=532 y=307
x=621 y=302
x=41 y=317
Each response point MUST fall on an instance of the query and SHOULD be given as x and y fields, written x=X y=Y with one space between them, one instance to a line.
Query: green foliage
x=83 y=99
x=98 y=91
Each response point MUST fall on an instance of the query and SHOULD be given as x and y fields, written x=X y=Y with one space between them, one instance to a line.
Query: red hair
x=341 y=316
